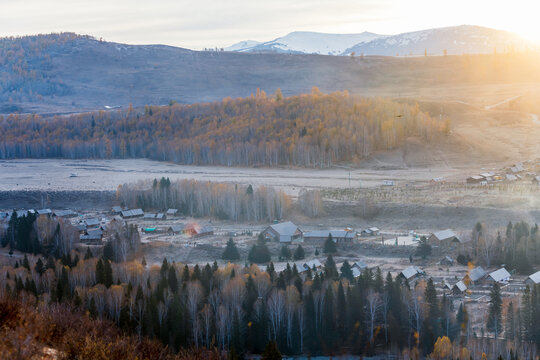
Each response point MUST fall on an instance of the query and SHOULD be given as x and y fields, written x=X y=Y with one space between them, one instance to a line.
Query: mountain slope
x=465 y=39
x=63 y=73
x=303 y=42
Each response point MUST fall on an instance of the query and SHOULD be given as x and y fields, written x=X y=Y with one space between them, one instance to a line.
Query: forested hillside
x=307 y=130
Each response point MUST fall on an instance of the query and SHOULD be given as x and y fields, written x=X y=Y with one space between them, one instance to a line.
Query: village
x=194 y=241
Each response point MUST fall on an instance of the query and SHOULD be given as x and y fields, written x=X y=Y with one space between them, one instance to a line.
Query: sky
x=197 y=24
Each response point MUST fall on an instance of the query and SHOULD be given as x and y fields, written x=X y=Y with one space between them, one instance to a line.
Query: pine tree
x=88 y=254
x=271 y=351
x=510 y=330
x=172 y=280
x=346 y=271
x=100 y=275
x=299 y=253
x=494 y=323
x=285 y=252
x=329 y=245
x=231 y=251
x=107 y=274
x=39 y=268
x=330 y=270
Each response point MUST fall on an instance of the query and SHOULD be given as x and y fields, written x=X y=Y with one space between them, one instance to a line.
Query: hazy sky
x=208 y=23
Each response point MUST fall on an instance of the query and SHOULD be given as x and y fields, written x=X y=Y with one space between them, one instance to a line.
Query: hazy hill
x=70 y=73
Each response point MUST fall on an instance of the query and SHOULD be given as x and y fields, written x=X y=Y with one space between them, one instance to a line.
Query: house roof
x=177 y=228
x=286 y=228
x=460 y=285
x=411 y=271
x=205 y=229
x=44 y=211
x=356 y=272
x=359 y=264
x=445 y=235
x=476 y=177
x=500 y=275
x=92 y=222
x=511 y=177
x=62 y=213
x=374 y=229
x=447 y=259
x=149 y=215
x=477 y=273
x=133 y=212
x=160 y=216
x=325 y=233
x=172 y=211
x=535 y=277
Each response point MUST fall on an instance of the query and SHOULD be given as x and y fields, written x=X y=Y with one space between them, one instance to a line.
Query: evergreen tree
x=346 y=271
x=285 y=252
x=39 y=268
x=271 y=351
x=88 y=254
x=172 y=280
x=424 y=248
x=510 y=330
x=329 y=245
x=330 y=270
x=299 y=253
x=494 y=323
x=231 y=251
x=100 y=274
x=107 y=274
x=259 y=253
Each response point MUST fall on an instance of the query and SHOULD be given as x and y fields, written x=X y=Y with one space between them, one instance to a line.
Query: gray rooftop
x=285 y=228
x=477 y=273
x=445 y=235
x=535 y=277
x=500 y=275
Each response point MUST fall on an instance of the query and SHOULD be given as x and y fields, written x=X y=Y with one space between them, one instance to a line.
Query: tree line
x=313 y=130
x=204 y=198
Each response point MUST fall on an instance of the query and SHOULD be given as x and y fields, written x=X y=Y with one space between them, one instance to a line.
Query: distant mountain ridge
x=456 y=40
x=305 y=42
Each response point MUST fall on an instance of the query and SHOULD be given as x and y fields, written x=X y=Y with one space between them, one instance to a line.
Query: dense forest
x=307 y=130
x=241 y=309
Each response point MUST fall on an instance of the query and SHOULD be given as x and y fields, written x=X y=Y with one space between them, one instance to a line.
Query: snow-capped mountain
x=307 y=43
x=457 y=40
x=242 y=45
x=464 y=39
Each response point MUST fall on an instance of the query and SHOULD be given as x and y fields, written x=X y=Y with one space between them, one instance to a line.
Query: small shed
x=149 y=216
x=44 y=212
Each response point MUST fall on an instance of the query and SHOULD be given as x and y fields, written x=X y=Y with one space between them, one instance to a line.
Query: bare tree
x=372 y=310
x=206 y=315
x=193 y=298
x=276 y=307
